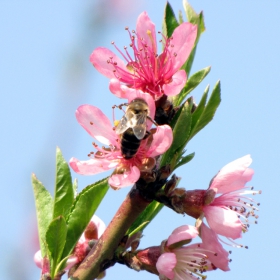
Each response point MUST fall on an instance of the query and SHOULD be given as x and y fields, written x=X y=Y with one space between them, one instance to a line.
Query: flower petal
x=99 y=58
x=145 y=30
x=233 y=176
x=210 y=241
x=182 y=233
x=97 y=124
x=166 y=263
x=129 y=177
x=182 y=43
x=162 y=140
x=92 y=166
x=179 y=80
x=223 y=221
x=99 y=224
x=38 y=259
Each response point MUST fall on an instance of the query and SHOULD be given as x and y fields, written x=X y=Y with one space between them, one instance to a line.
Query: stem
x=100 y=255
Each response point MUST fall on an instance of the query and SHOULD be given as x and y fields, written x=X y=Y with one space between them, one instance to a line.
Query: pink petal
x=166 y=263
x=233 y=176
x=92 y=166
x=118 y=89
x=223 y=221
x=182 y=44
x=162 y=140
x=178 y=82
x=99 y=224
x=72 y=260
x=210 y=241
x=143 y=25
x=182 y=233
x=96 y=124
x=117 y=181
x=99 y=58
x=38 y=259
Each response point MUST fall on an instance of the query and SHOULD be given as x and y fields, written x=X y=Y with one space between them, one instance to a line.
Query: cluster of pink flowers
x=146 y=75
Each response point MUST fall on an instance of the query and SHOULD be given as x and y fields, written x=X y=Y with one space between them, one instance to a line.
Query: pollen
x=91 y=123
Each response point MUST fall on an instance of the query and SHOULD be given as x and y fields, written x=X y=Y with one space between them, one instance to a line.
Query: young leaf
x=64 y=194
x=82 y=211
x=55 y=239
x=44 y=206
x=146 y=216
x=209 y=110
x=198 y=20
x=191 y=84
x=184 y=160
x=169 y=22
x=181 y=125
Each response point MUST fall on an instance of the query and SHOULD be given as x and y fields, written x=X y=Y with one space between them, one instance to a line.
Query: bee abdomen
x=129 y=144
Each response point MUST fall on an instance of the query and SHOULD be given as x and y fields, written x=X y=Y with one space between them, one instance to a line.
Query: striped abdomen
x=129 y=144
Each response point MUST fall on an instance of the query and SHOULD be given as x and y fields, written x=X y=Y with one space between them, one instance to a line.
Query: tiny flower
x=183 y=262
x=147 y=70
x=127 y=171
x=93 y=231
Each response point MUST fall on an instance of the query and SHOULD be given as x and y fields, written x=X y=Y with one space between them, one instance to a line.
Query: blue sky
x=46 y=74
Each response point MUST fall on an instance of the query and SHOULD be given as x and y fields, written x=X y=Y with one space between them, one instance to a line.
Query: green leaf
x=198 y=20
x=64 y=194
x=199 y=109
x=191 y=84
x=181 y=19
x=146 y=216
x=139 y=228
x=169 y=22
x=55 y=238
x=184 y=160
x=205 y=116
x=181 y=125
x=82 y=211
x=44 y=206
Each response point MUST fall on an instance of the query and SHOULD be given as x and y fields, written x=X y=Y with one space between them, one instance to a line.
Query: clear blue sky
x=46 y=74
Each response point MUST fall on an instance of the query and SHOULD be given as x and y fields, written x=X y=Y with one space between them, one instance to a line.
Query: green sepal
x=184 y=159
x=44 y=206
x=145 y=217
x=169 y=22
x=204 y=113
x=55 y=239
x=198 y=20
x=181 y=126
x=82 y=211
x=180 y=17
x=191 y=84
x=64 y=194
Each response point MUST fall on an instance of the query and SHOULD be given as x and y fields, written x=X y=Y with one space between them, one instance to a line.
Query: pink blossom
x=94 y=230
x=228 y=213
x=186 y=262
x=217 y=254
x=145 y=69
x=127 y=171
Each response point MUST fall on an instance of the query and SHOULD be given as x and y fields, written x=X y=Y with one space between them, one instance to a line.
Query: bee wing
x=127 y=121
x=139 y=128
x=123 y=125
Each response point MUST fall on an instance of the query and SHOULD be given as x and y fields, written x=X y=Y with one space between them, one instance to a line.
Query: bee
x=132 y=127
